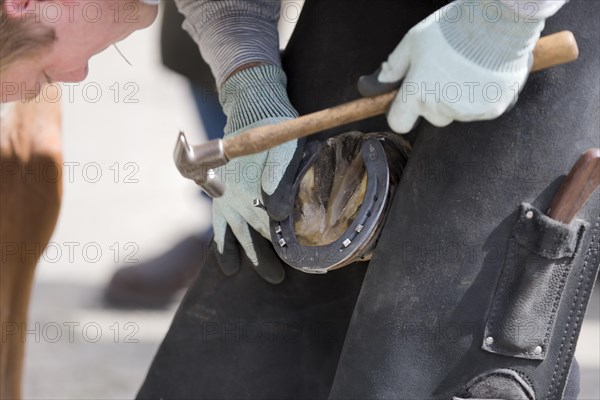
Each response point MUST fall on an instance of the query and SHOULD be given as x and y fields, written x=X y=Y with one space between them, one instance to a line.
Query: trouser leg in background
x=472 y=292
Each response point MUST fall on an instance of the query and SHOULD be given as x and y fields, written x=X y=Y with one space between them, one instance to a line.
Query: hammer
x=198 y=162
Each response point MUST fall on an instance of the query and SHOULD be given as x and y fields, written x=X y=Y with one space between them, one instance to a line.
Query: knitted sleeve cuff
x=490 y=34
x=232 y=33
x=535 y=8
x=255 y=94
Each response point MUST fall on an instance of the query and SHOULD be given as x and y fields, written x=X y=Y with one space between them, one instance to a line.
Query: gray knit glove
x=252 y=97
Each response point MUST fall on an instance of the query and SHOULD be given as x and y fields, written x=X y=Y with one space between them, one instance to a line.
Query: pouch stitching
x=502 y=283
x=483 y=376
x=524 y=376
x=557 y=297
x=513 y=247
x=527 y=378
x=563 y=282
x=554 y=383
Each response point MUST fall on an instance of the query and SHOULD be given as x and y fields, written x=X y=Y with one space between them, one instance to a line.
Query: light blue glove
x=250 y=98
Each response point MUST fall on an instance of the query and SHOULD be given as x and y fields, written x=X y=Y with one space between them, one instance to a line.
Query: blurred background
x=124 y=202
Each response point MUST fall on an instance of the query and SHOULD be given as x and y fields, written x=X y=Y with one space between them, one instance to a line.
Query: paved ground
x=84 y=351
x=125 y=201
x=77 y=349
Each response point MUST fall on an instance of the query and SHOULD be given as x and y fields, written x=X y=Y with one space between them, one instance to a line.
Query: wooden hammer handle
x=555 y=49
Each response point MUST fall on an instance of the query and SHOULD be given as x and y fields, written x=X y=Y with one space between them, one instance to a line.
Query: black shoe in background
x=155 y=283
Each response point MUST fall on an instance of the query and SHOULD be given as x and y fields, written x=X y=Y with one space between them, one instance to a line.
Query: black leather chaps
x=472 y=292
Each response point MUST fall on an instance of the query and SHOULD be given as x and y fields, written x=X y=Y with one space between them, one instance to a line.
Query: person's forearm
x=233 y=34
x=533 y=9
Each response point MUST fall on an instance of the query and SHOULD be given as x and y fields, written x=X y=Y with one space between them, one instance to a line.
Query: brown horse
x=30 y=197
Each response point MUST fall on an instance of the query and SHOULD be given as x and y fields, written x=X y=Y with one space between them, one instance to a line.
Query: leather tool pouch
x=536 y=267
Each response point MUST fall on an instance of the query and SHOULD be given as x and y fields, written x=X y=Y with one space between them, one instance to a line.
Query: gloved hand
x=466 y=62
x=253 y=97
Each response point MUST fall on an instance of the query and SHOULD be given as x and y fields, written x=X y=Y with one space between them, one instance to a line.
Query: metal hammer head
x=198 y=162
